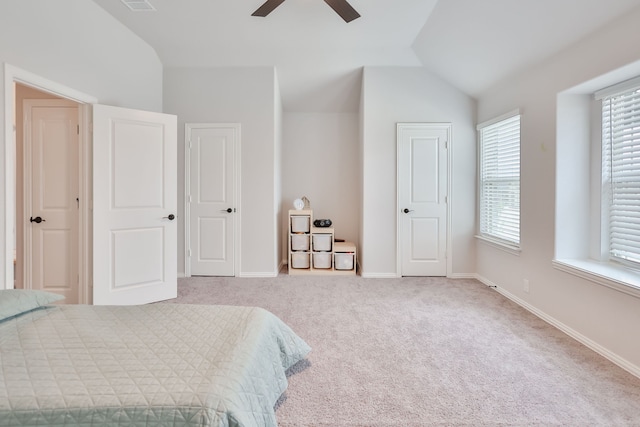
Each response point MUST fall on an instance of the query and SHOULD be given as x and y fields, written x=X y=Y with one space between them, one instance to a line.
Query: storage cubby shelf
x=313 y=250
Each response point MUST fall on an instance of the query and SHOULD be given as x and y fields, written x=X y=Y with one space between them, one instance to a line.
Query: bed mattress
x=152 y=365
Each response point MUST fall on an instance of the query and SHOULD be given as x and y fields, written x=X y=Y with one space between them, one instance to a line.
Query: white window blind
x=500 y=180
x=621 y=173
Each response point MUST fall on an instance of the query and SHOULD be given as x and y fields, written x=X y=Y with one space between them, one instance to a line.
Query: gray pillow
x=18 y=301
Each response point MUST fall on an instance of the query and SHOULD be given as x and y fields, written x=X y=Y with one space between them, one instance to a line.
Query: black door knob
x=405 y=210
x=229 y=210
x=171 y=217
x=37 y=220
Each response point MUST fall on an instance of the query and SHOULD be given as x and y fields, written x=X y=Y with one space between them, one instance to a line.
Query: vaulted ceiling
x=471 y=44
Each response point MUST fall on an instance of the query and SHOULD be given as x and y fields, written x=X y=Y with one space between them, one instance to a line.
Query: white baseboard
x=607 y=354
x=259 y=274
x=463 y=276
x=379 y=275
x=181 y=275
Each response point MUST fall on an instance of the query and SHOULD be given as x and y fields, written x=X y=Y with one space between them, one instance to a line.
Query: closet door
x=211 y=198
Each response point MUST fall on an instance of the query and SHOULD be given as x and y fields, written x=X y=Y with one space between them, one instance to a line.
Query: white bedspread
x=152 y=365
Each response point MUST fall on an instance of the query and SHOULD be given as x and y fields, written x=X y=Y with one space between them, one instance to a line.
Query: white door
x=134 y=206
x=422 y=198
x=51 y=197
x=211 y=198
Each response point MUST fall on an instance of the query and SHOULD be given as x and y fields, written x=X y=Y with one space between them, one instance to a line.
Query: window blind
x=621 y=167
x=500 y=180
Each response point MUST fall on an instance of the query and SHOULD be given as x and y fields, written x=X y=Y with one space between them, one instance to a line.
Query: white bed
x=151 y=365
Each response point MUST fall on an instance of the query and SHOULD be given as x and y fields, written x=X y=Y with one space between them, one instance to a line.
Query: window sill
x=606 y=274
x=512 y=249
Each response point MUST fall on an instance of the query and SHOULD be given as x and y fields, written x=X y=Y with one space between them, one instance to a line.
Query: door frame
x=401 y=126
x=236 y=193
x=13 y=75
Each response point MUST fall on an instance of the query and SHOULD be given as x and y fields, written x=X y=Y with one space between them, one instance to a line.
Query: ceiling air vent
x=139 y=5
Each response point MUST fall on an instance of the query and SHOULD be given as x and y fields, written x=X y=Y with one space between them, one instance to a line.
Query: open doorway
x=17 y=79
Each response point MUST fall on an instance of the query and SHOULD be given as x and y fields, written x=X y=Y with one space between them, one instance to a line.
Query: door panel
x=212 y=198
x=135 y=202
x=145 y=245
x=424 y=239
x=51 y=191
x=422 y=199
x=138 y=165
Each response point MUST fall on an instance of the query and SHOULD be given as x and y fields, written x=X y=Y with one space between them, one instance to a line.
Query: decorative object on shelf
x=322 y=223
x=298 y=204
x=307 y=203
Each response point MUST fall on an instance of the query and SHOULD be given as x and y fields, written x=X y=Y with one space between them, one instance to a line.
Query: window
x=499 y=180
x=597 y=233
x=621 y=174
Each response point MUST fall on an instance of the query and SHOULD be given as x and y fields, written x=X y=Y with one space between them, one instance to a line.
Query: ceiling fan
x=341 y=7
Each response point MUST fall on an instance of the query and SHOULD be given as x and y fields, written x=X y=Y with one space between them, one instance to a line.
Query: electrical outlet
x=525 y=285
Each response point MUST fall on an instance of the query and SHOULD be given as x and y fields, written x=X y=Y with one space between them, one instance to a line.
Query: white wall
x=601 y=317
x=244 y=95
x=320 y=161
x=412 y=94
x=65 y=41
x=77 y=44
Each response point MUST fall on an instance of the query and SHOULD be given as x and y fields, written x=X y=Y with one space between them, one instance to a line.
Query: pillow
x=18 y=301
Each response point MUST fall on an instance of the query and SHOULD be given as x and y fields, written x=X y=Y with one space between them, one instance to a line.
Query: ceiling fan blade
x=343 y=9
x=267 y=7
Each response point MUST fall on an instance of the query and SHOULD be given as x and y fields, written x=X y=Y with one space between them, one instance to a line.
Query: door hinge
x=189 y=253
x=446 y=144
x=78 y=129
x=446 y=199
x=189 y=198
x=190 y=145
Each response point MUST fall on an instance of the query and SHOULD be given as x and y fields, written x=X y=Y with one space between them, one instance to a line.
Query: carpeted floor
x=427 y=352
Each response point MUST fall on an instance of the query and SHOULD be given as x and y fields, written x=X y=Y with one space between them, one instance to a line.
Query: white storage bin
x=322 y=242
x=300 y=224
x=300 y=242
x=300 y=260
x=322 y=260
x=344 y=260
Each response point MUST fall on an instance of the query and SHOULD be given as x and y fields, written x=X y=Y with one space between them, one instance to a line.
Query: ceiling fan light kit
x=341 y=7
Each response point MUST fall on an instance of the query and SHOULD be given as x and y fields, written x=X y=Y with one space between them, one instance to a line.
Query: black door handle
x=228 y=210
x=405 y=210
x=171 y=217
x=37 y=220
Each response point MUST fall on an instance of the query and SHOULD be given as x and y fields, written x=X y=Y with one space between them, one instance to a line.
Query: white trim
x=379 y=275
x=618 y=88
x=449 y=148
x=236 y=193
x=14 y=75
x=462 y=276
x=603 y=273
x=85 y=293
x=607 y=354
x=498 y=244
x=259 y=275
x=512 y=113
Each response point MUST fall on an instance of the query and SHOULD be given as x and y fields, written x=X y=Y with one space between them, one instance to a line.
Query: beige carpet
x=427 y=352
